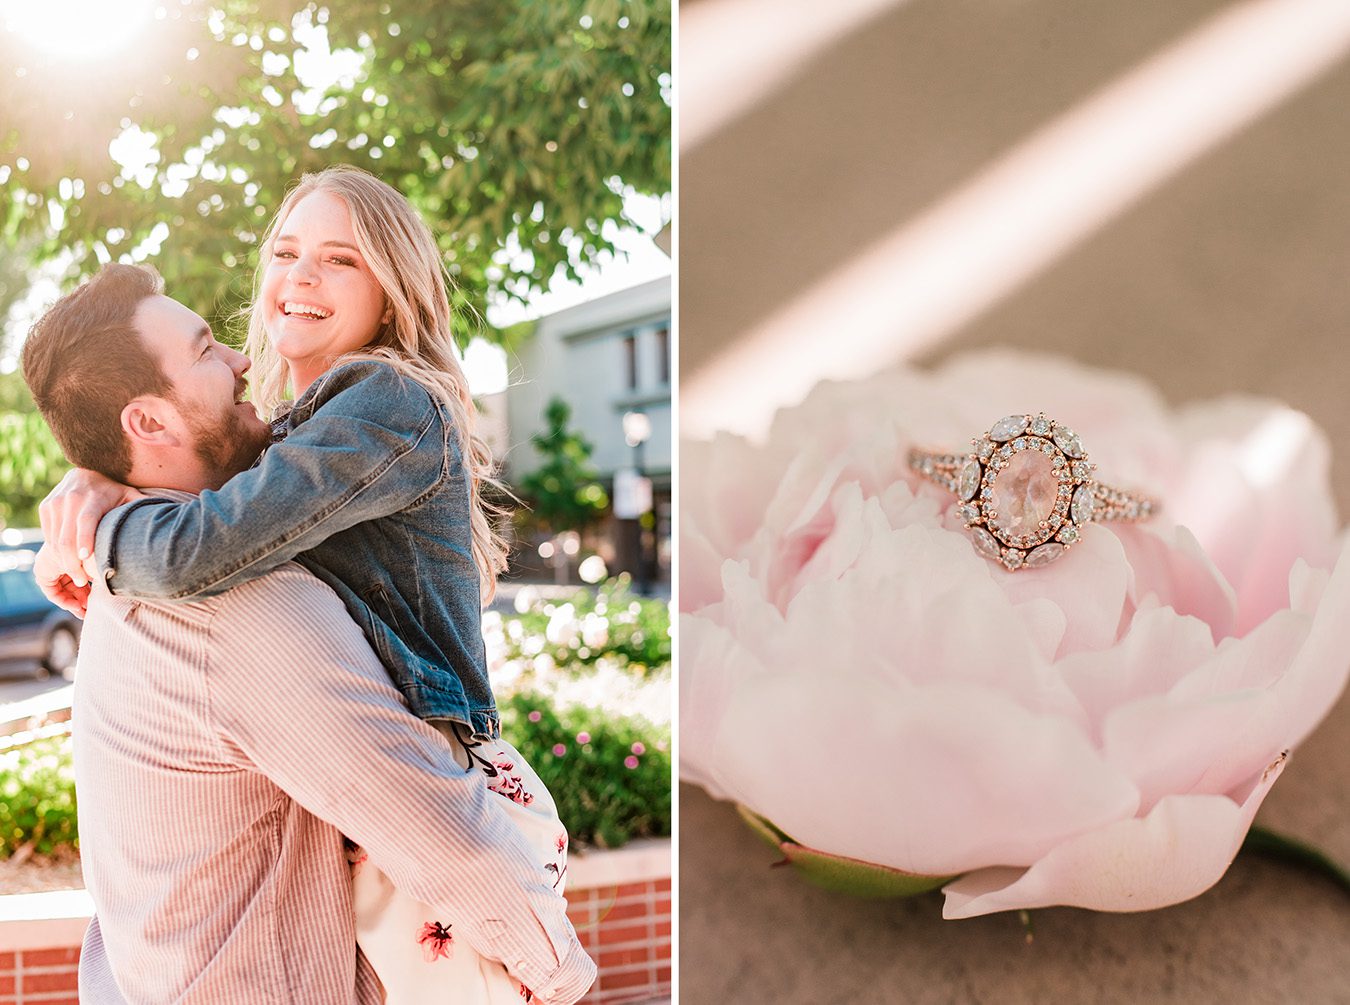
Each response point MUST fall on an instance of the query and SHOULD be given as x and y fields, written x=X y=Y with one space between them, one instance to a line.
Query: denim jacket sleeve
x=366 y=442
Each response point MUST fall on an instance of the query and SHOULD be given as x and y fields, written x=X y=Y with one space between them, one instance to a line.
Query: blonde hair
x=401 y=252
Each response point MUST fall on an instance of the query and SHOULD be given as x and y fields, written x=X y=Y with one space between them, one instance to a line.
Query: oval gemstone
x=1083 y=505
x=970 y=480
x=1024 y=494
x=1007 y=428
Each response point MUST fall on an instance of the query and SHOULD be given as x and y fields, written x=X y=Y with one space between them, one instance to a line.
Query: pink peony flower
x=1099 y=732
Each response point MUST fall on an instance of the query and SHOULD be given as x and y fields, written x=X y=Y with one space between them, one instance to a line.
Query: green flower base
x=838 y=873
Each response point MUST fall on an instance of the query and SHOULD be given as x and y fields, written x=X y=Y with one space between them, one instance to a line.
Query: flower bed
x=583 y=693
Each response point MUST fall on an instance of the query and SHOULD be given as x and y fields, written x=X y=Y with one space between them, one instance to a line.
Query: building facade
x=606 y=358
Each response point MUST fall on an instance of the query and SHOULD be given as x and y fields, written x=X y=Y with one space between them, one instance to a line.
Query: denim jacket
x=368 y=491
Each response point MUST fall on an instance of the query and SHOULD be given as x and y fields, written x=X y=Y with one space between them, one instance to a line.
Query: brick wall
x=626 y=929
x=622 y=917
x=48 y=976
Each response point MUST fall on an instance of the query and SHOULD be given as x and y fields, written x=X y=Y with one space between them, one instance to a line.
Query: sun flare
x=76 y=28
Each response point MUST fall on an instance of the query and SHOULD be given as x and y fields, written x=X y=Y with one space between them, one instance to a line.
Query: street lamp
x=633 y=492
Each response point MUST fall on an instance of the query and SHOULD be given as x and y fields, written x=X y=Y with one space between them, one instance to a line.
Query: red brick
x=57 y=1001
x=7 y=984
x=633 y=909
x=625 y=957
x=661 y=929
x=632 y=890
x=663 y=951
x=661 y=906
x=575 y=897
x=631 y=933
x=65 y=981
x=6 y=961
x=51 y=957
x=634 y=979
x=662 y=884
x=663 y=974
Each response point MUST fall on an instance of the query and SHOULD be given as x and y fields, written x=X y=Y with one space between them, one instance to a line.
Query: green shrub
x=37 y=797
x=610 y=775
x=609 y=623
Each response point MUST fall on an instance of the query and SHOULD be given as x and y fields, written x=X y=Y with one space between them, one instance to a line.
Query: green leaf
x=840 y=873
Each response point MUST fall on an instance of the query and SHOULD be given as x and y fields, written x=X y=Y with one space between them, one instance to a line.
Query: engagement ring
x=1026 y=491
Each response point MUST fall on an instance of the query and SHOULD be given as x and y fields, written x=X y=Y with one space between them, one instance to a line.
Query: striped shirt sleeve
x=299 y=694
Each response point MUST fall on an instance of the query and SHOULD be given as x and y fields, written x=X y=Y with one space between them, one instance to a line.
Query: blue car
x=36 y=636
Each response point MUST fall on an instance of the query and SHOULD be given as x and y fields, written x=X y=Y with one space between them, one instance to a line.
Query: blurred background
x=534 y=136
x=1158 y=188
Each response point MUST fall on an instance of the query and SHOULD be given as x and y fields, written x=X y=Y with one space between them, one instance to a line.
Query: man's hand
x=70 y=516
x=60 y=589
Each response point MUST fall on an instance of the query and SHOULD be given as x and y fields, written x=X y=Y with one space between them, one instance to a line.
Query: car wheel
x=62 y=648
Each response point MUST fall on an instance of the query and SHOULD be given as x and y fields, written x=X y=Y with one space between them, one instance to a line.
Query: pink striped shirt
x=222 y=749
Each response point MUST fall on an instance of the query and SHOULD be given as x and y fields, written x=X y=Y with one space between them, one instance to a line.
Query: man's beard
x=226 y=444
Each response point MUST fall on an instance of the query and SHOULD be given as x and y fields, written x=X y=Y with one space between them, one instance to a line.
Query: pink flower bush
x=1099 y=732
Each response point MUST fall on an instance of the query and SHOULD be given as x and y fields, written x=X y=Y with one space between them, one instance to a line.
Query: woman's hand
x=70 y=516
x=60 y=589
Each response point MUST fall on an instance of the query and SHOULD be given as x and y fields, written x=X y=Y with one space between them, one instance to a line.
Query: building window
x=630 y=360
x=663 y=354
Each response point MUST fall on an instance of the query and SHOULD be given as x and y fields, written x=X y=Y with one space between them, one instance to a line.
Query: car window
x=18 y=589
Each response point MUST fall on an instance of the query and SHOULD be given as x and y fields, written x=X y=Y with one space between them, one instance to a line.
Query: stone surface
x=1024 y=493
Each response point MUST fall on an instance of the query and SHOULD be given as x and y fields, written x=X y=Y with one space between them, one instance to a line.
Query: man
x=224 y=747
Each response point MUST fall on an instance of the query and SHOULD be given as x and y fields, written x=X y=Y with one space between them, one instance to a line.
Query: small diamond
x=1083 y=504
x=1021 y=444
x=1012 y=559
x=1007 y=428
x=984 y=543
x=1069 y=534
x=1048 y=448
x=1040 y=425
x=1044 y=555
x=1067 y=440
x=986 y=448
x=968 y=513
x=970 y=480
x=1081 y=469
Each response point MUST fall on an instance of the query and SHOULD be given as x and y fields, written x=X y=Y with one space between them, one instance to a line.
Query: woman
x=375 y=483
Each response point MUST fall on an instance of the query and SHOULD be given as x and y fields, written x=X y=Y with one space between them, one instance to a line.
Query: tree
x=30 y=464
x=563 y=493
x=513 y=125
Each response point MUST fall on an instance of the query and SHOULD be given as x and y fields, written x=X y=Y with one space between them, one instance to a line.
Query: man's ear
x=145 y=421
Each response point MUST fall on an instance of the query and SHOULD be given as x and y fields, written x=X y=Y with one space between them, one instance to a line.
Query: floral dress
x=413 y=949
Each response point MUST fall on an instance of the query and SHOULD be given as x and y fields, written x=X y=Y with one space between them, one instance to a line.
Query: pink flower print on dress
x=559 y=868
x=507 y=784
x=436 y=941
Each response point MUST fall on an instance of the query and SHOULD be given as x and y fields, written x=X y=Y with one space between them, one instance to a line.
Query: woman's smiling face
x=319 y=298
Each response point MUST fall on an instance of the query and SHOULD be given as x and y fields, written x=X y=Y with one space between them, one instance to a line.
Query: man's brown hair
x=84 y=360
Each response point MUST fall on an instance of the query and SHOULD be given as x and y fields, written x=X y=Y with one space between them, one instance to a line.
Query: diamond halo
x=1027 y=489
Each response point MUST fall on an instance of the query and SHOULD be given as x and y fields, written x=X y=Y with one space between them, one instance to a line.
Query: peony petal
x=1159 y=649
x=1088 y=585
x=1181 y=849
x=1170 y=566
x=931 y=780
